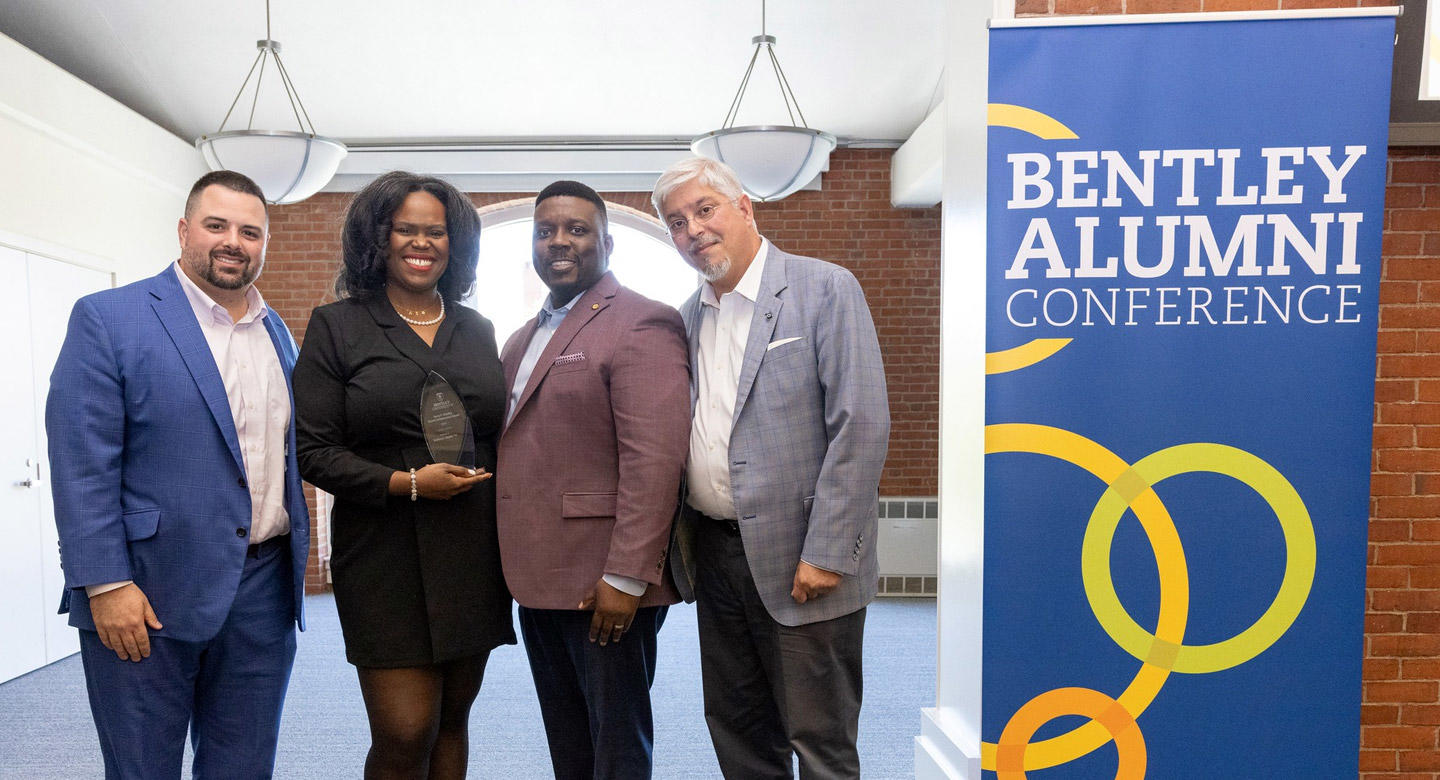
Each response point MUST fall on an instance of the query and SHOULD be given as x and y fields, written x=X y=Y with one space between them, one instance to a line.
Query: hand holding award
x=451 y=443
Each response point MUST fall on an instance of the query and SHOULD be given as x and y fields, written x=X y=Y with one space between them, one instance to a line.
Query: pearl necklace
x=425 y=323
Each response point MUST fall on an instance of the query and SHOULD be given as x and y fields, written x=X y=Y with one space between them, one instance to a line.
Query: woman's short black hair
x=365 y=240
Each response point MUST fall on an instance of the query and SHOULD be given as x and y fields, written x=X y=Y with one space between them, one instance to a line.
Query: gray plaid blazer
x=812 y=423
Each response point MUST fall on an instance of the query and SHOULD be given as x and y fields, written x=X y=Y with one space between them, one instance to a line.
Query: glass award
x=445 y=424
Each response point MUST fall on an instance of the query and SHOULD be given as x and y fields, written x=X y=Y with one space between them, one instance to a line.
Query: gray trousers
x=773 y=692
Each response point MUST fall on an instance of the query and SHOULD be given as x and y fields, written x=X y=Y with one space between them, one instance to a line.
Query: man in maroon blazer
x=588 y=479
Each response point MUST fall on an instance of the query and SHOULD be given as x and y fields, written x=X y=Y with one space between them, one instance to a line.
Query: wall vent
x=925 y=587
x=907 y=545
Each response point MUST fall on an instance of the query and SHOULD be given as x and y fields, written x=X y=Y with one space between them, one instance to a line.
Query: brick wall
x=1401 y=706
x=894 y=253
x=1400 y=710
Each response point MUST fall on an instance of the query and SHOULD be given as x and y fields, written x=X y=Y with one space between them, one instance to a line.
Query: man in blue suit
x=183 y=526
x=787 y=443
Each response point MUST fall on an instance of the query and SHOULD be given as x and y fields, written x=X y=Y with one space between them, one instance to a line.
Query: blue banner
x=1184 y=260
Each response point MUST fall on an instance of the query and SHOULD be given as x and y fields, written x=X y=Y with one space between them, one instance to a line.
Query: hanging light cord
x=767 y=42
x=270 y=48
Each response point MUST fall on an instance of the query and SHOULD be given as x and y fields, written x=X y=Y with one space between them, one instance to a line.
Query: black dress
x=419 y=582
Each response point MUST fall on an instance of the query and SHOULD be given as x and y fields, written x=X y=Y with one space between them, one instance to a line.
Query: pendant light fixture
x=289 y=165
x=772 y=161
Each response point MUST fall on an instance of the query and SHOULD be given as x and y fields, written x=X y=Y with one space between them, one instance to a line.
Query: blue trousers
x=228 y=691
x=595 y=700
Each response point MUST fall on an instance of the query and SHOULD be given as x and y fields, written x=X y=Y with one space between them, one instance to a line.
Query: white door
x=22 y=625
x=54 y=288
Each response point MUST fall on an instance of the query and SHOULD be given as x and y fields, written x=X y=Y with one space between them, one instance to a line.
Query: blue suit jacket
x=812 y=425
x=146 y=470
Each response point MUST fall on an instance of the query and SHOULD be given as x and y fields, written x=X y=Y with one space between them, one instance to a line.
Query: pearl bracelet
x=414 y=492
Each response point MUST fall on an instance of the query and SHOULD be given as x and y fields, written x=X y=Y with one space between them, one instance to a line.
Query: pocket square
x=565 y=360
x=780 y=342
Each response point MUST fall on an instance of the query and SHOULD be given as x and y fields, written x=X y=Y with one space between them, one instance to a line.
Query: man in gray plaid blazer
x=776 y=539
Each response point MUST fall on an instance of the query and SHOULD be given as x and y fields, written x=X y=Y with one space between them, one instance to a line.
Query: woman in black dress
x=415 y=563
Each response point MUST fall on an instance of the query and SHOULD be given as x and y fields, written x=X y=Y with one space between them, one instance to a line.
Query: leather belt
x=268 y=546
x=730 y=527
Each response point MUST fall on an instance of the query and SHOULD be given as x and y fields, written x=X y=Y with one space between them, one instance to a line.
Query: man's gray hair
x=710 y=173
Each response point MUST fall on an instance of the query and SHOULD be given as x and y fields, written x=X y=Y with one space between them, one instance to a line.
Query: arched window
x=508 y=292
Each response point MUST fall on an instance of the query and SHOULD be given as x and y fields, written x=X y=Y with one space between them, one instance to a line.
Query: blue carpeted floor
x=46 y=732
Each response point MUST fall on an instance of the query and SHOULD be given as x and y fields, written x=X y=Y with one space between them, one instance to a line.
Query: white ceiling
x=436 y=71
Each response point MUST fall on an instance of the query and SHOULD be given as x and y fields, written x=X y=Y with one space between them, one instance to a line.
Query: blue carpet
x=46 y=732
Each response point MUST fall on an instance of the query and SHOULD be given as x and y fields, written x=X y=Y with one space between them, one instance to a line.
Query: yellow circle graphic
x=1294 y=587
x=1036 y=123
x=1109 y=468
x=1101 y=709
x=1040 y=125
x=1160 y=653
x=1023 y=356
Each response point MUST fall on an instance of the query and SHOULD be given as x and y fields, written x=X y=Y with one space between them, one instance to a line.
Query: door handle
x=32 y=479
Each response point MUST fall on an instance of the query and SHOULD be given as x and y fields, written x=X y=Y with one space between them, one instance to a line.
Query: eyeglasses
x=702 y=215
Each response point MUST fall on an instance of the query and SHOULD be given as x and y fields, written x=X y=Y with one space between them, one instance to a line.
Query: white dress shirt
x=724 y=331
x=259 y=404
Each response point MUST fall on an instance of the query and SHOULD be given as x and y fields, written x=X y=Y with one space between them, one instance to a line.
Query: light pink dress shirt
x=259 y=404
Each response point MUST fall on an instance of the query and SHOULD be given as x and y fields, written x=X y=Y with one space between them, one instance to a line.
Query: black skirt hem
x=405 y=663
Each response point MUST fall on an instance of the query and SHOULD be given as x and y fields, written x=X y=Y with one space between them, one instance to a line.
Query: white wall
x=81 y=175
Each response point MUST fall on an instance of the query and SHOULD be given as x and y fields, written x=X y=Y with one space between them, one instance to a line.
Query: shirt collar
x=547 y=311
x=207 y=310
x=749 y=285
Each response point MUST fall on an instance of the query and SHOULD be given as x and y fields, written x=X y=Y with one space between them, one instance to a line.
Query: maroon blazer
x=589 y=466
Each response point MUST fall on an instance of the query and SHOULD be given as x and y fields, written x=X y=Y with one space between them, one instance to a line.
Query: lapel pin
x=594 y=306
x=768 y=316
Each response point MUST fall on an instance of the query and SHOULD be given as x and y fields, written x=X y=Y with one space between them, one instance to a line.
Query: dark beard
x=209 y=274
